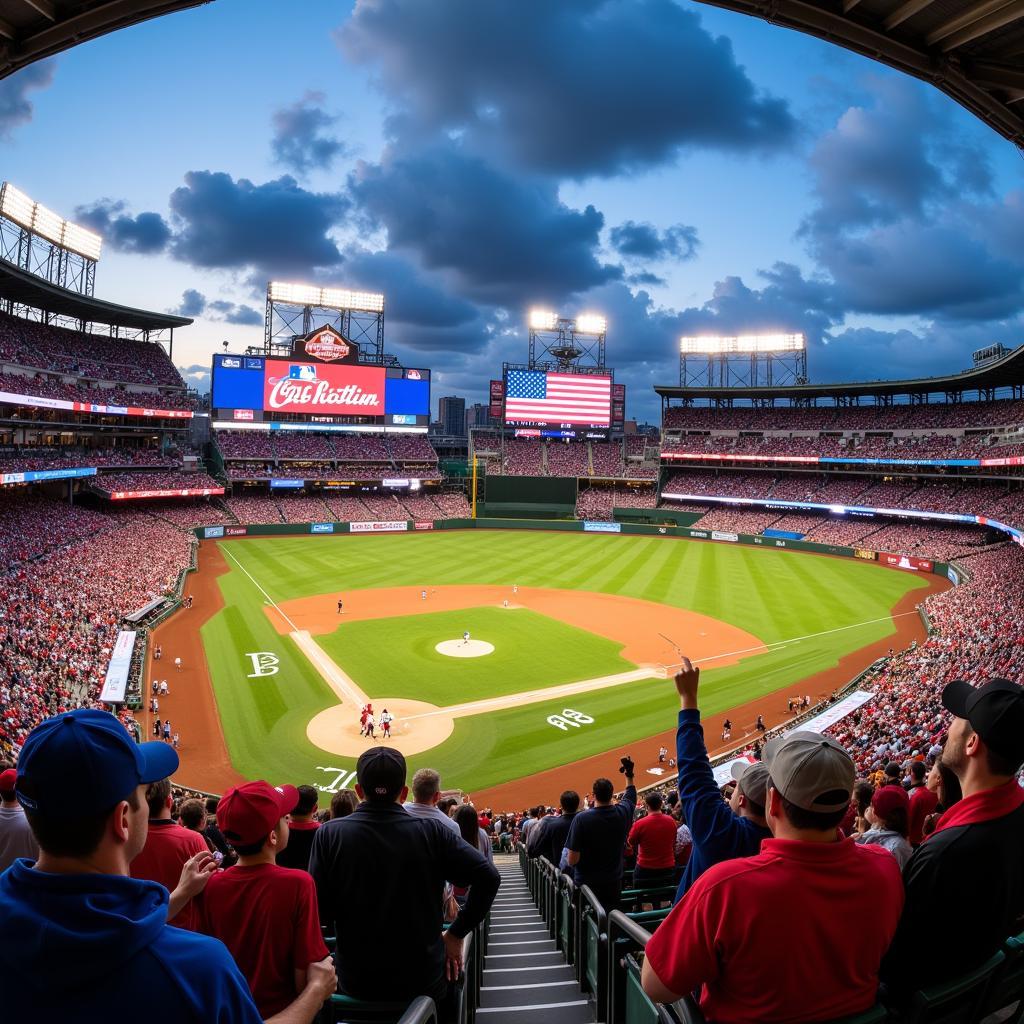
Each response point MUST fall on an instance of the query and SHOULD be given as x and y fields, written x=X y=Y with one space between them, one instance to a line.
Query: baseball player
x=423 y=595
x=177 y=664
x=164 y=689
x=515 y=588
x=167 y=731
x=465 y=637
x=726 y=729
x=176 y=740
x=369 y=726
x=158 y=653
x=340 y=606
x=154 y=706
x=662 y=754
x=385 y=724
x=364 y=713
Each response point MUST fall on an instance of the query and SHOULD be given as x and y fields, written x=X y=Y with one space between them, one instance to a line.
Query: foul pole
x=474 y=487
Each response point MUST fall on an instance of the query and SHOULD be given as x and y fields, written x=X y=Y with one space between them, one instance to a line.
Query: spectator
x=922 y=803
x=386 y=869
x=888 y=816
x=192 y=815
x=653 y=838
x=472 y=832
x=597 y=838
x=212 y=830
x=301 y=828
x=551 y=834
x=426 y=792
x=16 y=839
x=737 y=934
x=719 y=830
x=942 y=781
x=973 y=858
x=78 y=909
x=533 y=816
x=343 y=803
x=168 y=846
x=264 y=913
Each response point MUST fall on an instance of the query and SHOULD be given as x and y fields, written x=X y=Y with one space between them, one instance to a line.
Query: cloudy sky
x=675 y=167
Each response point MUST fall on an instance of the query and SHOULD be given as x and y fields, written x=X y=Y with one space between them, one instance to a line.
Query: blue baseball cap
x=91 y=751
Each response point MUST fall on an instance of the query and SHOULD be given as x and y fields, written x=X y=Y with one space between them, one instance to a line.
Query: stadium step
x=526 y=979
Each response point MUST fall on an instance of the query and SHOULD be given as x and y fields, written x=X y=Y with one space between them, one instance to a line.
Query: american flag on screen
x=578 y=398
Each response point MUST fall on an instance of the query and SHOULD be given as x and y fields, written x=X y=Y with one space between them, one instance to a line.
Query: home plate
x=464 y=648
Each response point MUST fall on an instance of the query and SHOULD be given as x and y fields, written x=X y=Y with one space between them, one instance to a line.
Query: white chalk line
x=273 y=603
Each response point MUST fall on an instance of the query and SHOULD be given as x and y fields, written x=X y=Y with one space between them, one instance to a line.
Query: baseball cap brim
x=287 y=799
x=159 y=761
x=752 y=778
x=955 y=696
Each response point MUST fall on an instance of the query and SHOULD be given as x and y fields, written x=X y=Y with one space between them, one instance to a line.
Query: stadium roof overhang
x=1007 y=372
x=33 y=29
x=973 y=50
x=23 y=288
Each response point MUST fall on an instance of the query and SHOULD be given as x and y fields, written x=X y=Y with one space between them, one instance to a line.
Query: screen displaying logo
x=413 y=375
x=321 y=527
x=328 y=345
x=231 y=363
x=243 y=414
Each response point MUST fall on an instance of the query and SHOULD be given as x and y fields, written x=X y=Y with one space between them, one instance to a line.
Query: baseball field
x=571 y=640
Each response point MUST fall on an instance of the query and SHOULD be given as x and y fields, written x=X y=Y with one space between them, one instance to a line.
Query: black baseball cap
x=381 y=772
x=995 y=711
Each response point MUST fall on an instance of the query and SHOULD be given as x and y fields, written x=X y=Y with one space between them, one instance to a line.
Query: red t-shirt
x=796 y=933
x=922 y=802
x=168 y=846
x=267 y=917
x=654 y=839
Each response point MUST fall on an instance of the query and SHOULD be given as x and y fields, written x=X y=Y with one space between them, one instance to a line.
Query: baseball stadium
x=303 y=562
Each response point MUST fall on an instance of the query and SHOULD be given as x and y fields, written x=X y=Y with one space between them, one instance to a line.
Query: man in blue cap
x=81 y=937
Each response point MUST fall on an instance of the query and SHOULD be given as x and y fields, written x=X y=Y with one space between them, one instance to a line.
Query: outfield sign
x=719 y=535
x=116 y=682
x=905 y=561
x=426 y=525
x=213 y=531
x=590 y=526
x=321 y=527
x=236 y=531
x=396 y=527
x=838 y=711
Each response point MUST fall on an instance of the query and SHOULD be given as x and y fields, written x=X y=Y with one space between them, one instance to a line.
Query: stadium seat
x=591 y=953
x=567 y=918
x=1007 y=988
x=960 y=1001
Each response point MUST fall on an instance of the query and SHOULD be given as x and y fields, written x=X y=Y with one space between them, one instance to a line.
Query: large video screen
x=536 y=398
x=254 y=383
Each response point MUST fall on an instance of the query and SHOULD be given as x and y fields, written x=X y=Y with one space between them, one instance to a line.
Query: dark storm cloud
x=275 y=227
x=15 y=106
x=194 y=303
x=575 y=88
x=505 y=239
x=302 y=139
x=142 y=234
x=641 y=241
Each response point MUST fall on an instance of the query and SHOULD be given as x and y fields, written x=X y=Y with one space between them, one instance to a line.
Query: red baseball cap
x=888 y=799
x=248 y=814
x=7 y=782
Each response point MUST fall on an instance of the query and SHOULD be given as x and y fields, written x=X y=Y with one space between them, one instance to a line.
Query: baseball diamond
x=593 y=629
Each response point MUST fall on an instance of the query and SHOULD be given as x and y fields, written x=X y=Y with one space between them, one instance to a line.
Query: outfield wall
x=570 y=526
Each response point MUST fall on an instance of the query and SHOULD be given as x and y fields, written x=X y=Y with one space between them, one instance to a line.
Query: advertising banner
x=719 y=535
x=326 y=345
x=184 y=492
x=235 y=531
x=424 y=526
x=213 y=531
x=601 y=527
x=321 y=527
x=323 y=388
x=618 y=405
x=905 y=561
x=109 y=410
x=868 y=556
x=283 y=483
x=116 y=681
x=952 y=575
x=47 y=474
x=378 y=527
x=497 y=397
x=243 y=414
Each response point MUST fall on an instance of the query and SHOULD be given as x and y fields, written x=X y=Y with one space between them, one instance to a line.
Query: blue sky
x=677 y=167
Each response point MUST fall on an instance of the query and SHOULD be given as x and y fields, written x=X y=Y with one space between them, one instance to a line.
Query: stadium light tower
x=574 y=344
x=295 y=310
x=744 y=360
x=42 y=242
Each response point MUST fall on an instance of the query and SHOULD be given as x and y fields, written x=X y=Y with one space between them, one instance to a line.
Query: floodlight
x=48 y=224
x=85 y=243
x=16 y=205
x=334 y=298
x=741 y=344
x=591 y=323
x=543 y=319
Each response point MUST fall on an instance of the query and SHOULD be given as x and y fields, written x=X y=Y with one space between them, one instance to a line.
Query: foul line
x=270 y=600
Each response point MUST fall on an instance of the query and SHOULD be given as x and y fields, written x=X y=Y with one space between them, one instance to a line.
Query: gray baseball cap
x=752 y=779
x=810 y=770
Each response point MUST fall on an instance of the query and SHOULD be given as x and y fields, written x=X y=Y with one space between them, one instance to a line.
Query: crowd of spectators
x=24 y=459
x=255 y=509
x=896 y=417
x=303 y=508
x=193 y=480
x=39 y=386
x=45 y=347
x=597 y=503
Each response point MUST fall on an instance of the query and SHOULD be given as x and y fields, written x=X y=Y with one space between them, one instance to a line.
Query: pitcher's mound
x=464 y=648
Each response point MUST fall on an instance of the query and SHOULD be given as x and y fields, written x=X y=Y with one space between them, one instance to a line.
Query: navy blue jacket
x=718 y=834
x=93 y=948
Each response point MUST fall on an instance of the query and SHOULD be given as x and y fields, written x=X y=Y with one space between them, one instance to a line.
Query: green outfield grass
x=396 y=657
x=775 y=594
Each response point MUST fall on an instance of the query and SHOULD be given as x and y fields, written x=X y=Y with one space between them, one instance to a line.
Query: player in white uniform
x=423 y=595
x=369 y=726
x=177 y=664
x=465 y=637
x=385 y=723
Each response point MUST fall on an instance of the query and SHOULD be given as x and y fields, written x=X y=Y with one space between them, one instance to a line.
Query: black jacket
x=965 y=896
x=380 y=876
x=553 y=832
